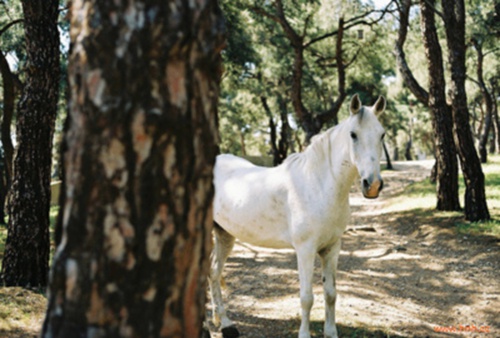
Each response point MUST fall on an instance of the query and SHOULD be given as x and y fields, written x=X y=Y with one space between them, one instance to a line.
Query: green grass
x=420 y=198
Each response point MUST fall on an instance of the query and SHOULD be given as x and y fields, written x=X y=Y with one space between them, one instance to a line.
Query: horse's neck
x=336 y=166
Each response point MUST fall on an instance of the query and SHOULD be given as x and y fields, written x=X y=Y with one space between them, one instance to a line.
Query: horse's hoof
x=205 y=333
x=230 y=332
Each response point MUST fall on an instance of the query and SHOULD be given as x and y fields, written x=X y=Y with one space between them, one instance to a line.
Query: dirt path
x=401 y=274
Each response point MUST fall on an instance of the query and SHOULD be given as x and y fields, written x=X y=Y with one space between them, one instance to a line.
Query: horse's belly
x=265 y=230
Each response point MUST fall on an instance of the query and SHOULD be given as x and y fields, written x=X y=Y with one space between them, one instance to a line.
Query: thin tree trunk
x=408 y=155
x=279 y=148
x=142 y=140
x=496 y=119
x=9 y=86
x=388 y=158
x=27 y=247
x=272 y=131
x=476 y=208
x=284 y=142
x=8 y=112
x=3 y=188
x=487 y=99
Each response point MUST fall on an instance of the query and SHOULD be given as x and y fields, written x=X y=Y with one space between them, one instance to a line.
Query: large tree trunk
x=136 y=232
x=476 y=208
x=27 y=247
x=442 y=119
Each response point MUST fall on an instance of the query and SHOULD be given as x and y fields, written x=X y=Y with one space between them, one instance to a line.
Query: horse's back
x=228 y=162
x=249 y=203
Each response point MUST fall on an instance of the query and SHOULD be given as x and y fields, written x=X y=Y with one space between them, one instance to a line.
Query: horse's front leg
x=329 y=259
x=305 y=262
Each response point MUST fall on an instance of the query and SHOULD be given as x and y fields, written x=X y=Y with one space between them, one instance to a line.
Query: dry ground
x=401 y=274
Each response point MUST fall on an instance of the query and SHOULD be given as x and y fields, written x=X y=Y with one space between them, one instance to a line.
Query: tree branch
x=431 y=5
x=355 y=21
x=10 y=24
x=420 y=93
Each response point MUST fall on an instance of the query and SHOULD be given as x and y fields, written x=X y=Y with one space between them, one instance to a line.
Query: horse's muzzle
x=372 y=187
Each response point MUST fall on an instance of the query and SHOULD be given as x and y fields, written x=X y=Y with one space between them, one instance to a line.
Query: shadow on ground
x=401 y=274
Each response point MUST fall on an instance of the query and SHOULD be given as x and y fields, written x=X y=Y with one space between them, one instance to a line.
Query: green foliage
x=12 y=40
x=259 y=62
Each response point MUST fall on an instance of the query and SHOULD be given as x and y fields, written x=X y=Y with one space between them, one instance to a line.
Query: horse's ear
x=379 y=106
x=355 y=105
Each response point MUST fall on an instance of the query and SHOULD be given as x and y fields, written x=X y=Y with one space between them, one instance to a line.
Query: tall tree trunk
x=27 y=247
x=442 y=119
x=476 y=208
x=446 y=168
x=136 y=232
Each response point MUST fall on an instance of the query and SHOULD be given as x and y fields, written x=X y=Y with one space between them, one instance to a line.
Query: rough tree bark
x=142 y=140
x=27 y=246
x=476 y=208
x=442 y=119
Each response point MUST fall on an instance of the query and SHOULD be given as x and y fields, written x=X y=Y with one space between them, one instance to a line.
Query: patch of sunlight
x=370 y=253
x=404 y=203
x=397 y=256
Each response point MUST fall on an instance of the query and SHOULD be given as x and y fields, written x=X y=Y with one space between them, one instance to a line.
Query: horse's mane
x=318 y=150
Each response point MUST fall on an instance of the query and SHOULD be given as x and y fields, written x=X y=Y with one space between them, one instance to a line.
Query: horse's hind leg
x=223 y=245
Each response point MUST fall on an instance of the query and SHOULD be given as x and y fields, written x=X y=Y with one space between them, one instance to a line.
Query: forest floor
x=403 y=272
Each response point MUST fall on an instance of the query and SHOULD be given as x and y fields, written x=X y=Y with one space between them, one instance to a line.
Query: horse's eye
x=354 y=136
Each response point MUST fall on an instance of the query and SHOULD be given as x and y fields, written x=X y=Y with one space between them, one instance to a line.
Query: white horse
x=302 y=204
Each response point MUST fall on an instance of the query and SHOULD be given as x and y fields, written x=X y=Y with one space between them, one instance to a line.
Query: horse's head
x=366 y=135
